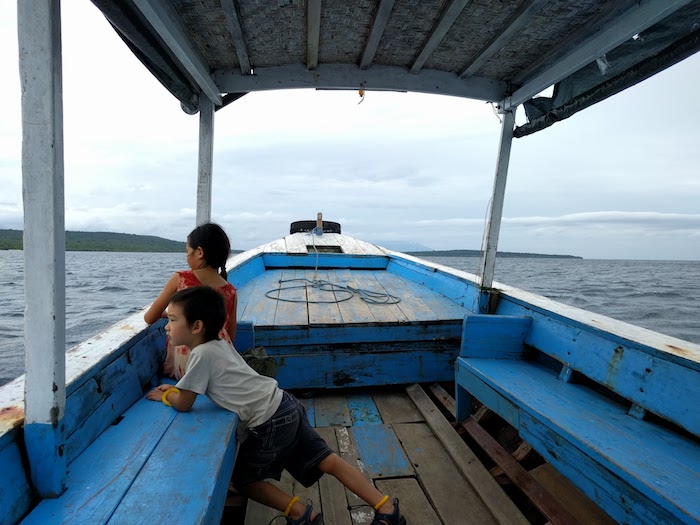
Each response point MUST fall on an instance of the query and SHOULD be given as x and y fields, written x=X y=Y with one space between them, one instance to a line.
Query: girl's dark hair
x=214 y=243
x=202 y=303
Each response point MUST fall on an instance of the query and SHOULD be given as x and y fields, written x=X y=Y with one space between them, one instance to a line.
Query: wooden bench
x=639 y=470
x=152 y=465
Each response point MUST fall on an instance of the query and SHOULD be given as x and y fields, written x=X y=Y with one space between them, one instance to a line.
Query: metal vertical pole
x=499 y=189
x=39 y=36
x=206 y=159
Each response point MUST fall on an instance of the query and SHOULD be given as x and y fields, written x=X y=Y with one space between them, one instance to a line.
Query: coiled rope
x=347 y=292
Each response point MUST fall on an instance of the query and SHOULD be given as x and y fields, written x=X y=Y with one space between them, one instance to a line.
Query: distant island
x=100 y=242
x=127 y=242
x=477 y=253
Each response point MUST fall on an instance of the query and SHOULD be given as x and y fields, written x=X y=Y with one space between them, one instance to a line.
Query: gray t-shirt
x=217 y=370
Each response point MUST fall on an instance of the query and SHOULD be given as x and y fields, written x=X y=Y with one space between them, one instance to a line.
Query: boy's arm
x=181 y=400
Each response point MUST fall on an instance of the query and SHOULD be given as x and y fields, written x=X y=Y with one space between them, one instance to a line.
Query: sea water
x=104 y=287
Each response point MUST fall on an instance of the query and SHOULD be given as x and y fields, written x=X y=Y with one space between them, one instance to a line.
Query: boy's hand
x=157 y=393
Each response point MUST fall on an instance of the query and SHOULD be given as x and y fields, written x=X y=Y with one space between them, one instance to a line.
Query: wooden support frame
x=499 y=188
x=206 y=160
x=39 y=37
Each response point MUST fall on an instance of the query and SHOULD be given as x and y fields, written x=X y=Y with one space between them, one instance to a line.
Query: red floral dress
x=176 y=357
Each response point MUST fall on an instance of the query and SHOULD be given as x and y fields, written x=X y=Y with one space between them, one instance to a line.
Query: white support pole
x=206 y=160
x=499 y=189
x=39 y=35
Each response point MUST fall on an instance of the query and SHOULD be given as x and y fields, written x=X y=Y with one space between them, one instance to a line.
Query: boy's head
x=195 y=314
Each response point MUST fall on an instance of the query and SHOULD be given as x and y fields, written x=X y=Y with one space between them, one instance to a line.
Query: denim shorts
x=286 y=441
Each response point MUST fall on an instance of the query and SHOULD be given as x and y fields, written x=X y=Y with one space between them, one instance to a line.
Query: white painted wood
x=640 y=17
x=235 y=27
x=448 y=17
x=499 y=189
x=40 y=66
x=350 y=76
x=166 y=23
x=296 y=243
x=206 y=160
x=375 y=35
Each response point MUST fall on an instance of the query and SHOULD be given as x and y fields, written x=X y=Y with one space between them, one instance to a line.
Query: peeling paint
x=614 y=366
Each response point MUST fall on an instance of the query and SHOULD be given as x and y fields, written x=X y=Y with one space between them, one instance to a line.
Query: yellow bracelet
x=381 y=502
x=291 y=504
x=164 y=398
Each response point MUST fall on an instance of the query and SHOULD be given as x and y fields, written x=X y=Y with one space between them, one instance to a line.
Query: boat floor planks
x=418 y=304
x=384 y=434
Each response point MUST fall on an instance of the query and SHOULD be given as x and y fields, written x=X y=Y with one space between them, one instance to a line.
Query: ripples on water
x=103 y=288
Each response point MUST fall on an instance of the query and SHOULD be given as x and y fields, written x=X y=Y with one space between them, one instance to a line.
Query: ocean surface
x=102 y=288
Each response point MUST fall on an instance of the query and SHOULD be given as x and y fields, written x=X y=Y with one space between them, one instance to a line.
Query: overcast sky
x=620 y=180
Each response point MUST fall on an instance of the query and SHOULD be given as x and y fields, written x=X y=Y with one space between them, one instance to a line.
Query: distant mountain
x=100 y=242
x=127 y=242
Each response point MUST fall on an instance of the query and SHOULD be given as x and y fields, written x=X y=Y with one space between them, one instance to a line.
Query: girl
x=208 y=248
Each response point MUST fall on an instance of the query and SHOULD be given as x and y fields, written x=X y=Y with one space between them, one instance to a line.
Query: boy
x=274 y=431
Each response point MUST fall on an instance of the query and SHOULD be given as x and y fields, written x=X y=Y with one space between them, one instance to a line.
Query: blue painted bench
x=639 y=470
x=153 y=465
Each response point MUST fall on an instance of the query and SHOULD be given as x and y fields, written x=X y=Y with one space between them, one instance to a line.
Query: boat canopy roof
x=491 y=50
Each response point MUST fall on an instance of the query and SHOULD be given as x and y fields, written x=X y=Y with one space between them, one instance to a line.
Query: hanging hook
x=362 y=94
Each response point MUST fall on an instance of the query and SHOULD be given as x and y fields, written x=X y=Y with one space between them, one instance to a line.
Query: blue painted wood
x=494 y=336
x=325 y=261
x=186 y=478
x=125 y=393
x=332 y=411
x=644 y=458
x=381 y=452
x=345 y=369
x=463 y=402
x=481 y=390
x=245 y=336
x=246 y=271
x=464 y=293
x=619 y=500
x=363 y=410
x=345 y=334
x=98 y=478
x=46 y=441
x=637 y=372
x=14 y=490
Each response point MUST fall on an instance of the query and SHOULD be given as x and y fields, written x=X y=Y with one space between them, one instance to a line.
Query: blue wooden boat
x=405 y=361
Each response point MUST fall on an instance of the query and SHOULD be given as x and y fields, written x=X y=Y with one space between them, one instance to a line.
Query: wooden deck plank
x=500 y=505
x=260 y=310
x=326 y=311
x=332 y=410
x=443 y=307
x=411 y=304
x=292 y=309
x=296 y=243
x=354 y=310
x=413 y=503
x=381 y=452
x=396 y=407
x=347 y=450
x=363 y=410
x=580 y=505
x=332 y=492
x=443 y=483
x=383 y=313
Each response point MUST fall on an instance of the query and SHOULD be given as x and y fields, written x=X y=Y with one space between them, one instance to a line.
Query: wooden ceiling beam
x=515 y=23
x=164 y=22
x=313 y=33
x=235 y=28
x=447 y=19
x=375 y=34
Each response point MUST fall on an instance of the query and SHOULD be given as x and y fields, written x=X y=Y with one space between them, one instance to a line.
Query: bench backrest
x=661 y=383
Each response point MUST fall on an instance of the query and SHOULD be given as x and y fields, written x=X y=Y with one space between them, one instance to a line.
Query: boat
x=406 y=366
